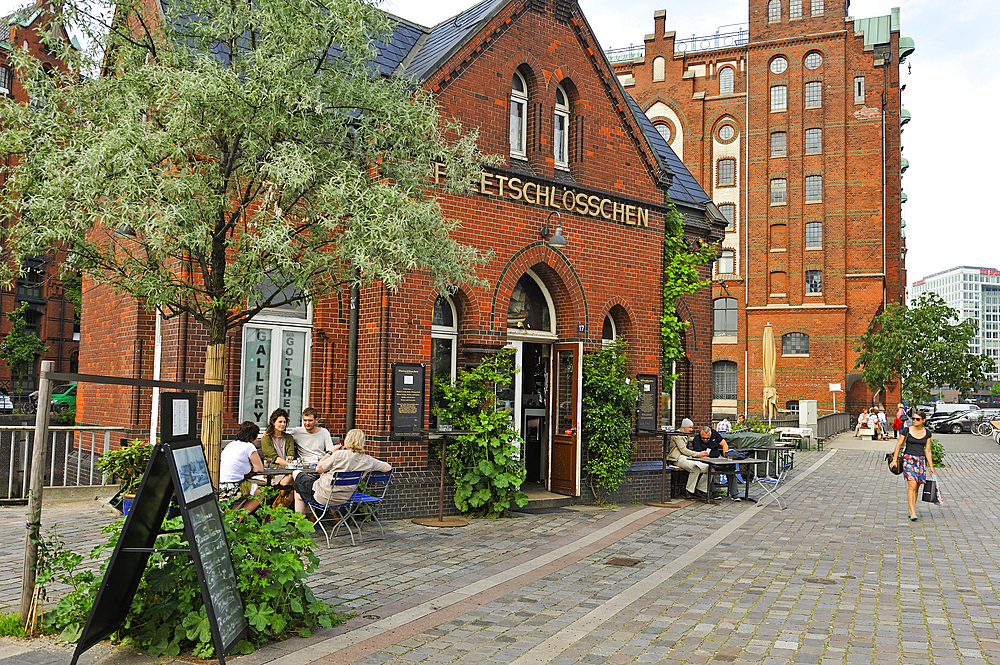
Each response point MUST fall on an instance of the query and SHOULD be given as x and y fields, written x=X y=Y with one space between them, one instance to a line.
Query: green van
x=64 y=397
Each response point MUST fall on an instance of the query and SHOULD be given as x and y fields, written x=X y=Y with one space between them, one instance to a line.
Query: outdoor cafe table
x=719 y=465
x=779 y=452
x=269 y=473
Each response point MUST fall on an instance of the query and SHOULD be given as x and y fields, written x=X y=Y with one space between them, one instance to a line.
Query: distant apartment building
x=49 y=314
x=792 y=122
x=975 y=294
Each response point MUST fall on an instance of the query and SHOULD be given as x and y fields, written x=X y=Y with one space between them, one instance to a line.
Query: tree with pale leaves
x=230 y=157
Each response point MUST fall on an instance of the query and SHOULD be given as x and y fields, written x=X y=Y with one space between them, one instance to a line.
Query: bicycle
x=983 y=427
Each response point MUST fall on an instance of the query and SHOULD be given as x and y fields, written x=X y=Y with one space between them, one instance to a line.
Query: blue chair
x=338 y=514
x=370 y=499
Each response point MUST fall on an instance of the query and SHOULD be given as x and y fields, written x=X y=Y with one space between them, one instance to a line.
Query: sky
x=952 y=89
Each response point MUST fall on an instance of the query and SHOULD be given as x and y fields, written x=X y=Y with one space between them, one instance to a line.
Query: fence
x=833 y=423
x=71 y=457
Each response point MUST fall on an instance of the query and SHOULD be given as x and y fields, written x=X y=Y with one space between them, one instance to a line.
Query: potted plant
x=128 y=463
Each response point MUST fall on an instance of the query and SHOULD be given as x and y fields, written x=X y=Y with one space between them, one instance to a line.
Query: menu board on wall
x=407 y=398
x=649 y=397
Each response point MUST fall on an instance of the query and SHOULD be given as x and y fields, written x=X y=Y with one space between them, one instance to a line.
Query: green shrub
x=937 y=453
x=487 y=468
x=608 y=404
x=10 y=625
x=272 y=558
x=127 y=463
x=64 y=417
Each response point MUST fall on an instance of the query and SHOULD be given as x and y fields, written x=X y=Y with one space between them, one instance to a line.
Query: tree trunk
x=211 y=412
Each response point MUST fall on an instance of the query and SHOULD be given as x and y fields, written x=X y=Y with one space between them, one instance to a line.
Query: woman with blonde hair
x=315 y=485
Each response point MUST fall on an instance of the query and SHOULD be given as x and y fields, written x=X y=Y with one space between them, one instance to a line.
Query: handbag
x=898 y=469
x=284 y=499
x=931 y=492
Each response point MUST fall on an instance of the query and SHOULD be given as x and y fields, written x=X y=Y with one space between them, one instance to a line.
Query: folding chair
x=370 y=500
x=340 y=514
x=771 y=484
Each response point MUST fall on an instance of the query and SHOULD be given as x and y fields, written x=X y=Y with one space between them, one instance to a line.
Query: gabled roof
x=446 y=37
x=683 y=188
x=399 y=46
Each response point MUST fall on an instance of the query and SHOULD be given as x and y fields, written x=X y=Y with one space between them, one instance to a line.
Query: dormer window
x=518 y=116
x=560 y=138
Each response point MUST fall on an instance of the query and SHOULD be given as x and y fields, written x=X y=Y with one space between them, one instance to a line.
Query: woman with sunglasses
x=917 y=459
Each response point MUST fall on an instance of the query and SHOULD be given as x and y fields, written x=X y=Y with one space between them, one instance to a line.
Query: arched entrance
x=544 y=397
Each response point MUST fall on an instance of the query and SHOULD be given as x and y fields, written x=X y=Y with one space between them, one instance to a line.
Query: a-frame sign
x=176 y=468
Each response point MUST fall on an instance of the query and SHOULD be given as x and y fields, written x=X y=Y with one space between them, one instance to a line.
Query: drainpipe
x=352 y=354
x=157 y=354
x=746 y=244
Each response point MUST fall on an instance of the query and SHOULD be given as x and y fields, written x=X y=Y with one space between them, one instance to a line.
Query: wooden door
x=567 y=386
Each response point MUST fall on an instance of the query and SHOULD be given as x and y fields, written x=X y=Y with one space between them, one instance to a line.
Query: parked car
x=6 y=403
x=963 y=421
x=64 y=397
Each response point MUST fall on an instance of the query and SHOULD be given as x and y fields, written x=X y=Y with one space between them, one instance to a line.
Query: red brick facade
x=611 y=202
x=853 y=172
x=49 y=313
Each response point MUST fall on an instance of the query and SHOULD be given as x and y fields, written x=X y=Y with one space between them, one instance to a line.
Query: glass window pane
x=814 y=188
x=565 y=422
x=817 y=7
x=257 y=375
x=795 y=9
x=528 y=309
x=293 y=365
x=442 y=351
x=559 y=140
x=779 y=144
x=516 y=126
x=813 y=61
x=779 y=97
x=774 y=10
x=727 y=171
x=443 y=315
x=778 y=191
x=814 y=234
x=728 y=211
x=726 y=80
x=724 y=380
x=664 y=131
x=814 y=94
x=794 y=343
x=814 y=281
x=814 y=141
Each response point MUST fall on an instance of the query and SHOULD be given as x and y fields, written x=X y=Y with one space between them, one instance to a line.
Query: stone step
x=541 y=499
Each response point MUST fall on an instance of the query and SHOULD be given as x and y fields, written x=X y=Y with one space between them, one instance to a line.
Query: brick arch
x=623 y=315
x=738 y=118
x=525 y=62
x=466 y=304
x=563 y=75
x=674 y=105
x=560 y=278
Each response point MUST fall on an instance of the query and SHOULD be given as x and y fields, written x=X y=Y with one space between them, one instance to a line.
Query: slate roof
x=684 y=187
x=393 y=52
x=449 y=35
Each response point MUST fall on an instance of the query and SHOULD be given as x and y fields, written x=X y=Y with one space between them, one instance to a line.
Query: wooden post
x=211 y=410
x=37 y=480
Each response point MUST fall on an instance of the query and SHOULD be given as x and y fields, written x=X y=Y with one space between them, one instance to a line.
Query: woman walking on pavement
x=917 y=459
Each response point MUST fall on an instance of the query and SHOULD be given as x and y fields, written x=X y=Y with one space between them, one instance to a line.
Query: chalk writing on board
x=217 y=565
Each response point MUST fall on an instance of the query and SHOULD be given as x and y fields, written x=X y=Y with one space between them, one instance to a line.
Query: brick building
x=579 y=158
x=49 y=314
x=793 y=122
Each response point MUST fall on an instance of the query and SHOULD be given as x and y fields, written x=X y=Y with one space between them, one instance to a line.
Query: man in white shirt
x=311 y=440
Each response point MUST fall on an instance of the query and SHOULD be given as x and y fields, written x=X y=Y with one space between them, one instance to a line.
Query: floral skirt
x=915 y=468
x=229 y=491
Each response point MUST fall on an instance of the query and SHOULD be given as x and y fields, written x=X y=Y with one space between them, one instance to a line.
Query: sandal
x=913 y=518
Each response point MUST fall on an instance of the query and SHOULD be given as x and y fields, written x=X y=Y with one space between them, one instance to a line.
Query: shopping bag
x=932 y=492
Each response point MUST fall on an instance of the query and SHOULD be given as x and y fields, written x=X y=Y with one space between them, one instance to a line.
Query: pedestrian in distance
x=917 y=459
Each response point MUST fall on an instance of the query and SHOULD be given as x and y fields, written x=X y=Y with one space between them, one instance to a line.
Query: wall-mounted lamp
x=557 y=237
x=125 y=231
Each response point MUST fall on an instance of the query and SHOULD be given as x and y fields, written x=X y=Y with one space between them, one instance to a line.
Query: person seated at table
x=684 y=457
x=741 y=422
x=315 y=485
x=239 y=458
x=862 y=423
x=724 y=425
x=277 y=444
x=711 y=441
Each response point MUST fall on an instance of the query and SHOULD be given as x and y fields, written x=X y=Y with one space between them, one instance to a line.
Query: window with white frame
x=779 y=144
x=518 y=115
x=814 y=281
x=724 y=379
x=814 y=140
x=275 y=368
x=6 y=81
x=774 y=10
x=814 y=188
x=726 y=264
x=814 y=235
x=779 y=97
x=817 y=7
x=444 y=350
x=727 y=172
x=859 y=89
x=728 y=211
x=724 y=317
x=560 y=136
x=814 y=94
x=609 y=331
x=659 y=68
x=795 y=344
x=795 y=9
x=726 y=78
x=779 y=191
x=813 y=60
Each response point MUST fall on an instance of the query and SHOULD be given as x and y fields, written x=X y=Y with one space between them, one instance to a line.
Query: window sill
x=778 y=205
x=778 y=295
x=778 y=110
x=815 y=295
x=778 y=156
x=817 y=106
x=727 y=185
x=725 y=339
x=778 y=249
x=814 y=249
x=813 y=202
x=794 y=355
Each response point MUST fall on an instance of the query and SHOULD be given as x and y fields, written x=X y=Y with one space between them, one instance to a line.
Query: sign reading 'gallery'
x=554 y=196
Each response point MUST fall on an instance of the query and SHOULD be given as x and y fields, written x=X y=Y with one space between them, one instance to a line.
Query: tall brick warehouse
x=793 y=123
x=579 y=157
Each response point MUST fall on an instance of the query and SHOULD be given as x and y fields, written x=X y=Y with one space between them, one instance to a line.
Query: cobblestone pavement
x=841 y=576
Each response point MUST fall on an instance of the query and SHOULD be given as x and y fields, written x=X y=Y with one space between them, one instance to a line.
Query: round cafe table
x=441 y=521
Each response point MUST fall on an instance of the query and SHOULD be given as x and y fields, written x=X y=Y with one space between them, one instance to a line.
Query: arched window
x=518 y=115
x=560 y=133
x=609 y=332
x=725 y=80
x=530 y=308
x=659 y=68
x=724 y=324
x=795 y=344
x=724 y=379
x=795 y=9
x=444 y=350
x=664 y=130
x=774 y=10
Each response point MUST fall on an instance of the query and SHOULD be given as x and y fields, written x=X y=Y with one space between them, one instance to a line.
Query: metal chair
x=370 y=500
x=340 y=514
x=771 y=485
